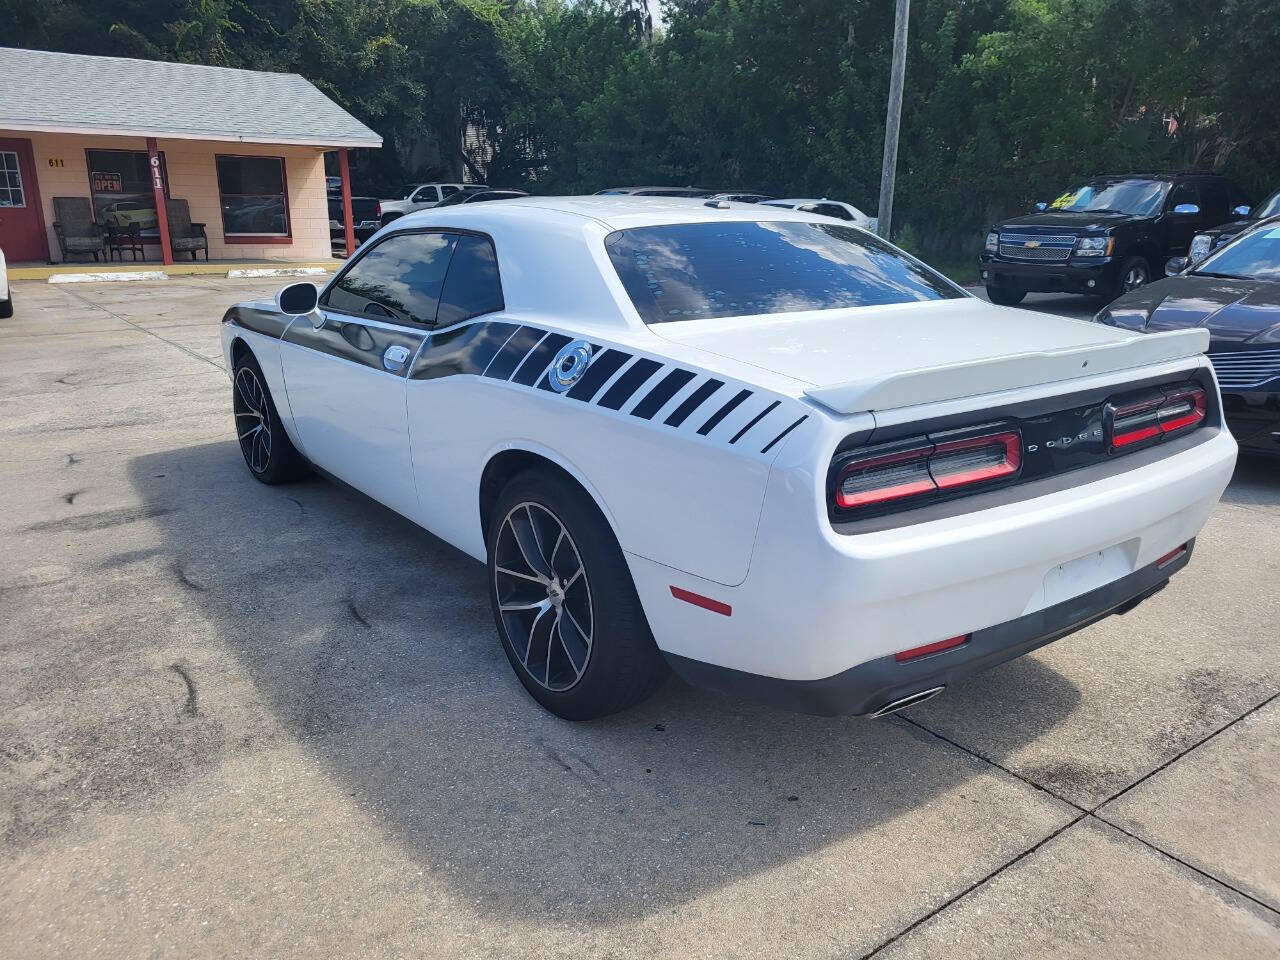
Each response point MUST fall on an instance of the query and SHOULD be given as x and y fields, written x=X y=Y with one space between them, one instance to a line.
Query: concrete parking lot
x=275 y=722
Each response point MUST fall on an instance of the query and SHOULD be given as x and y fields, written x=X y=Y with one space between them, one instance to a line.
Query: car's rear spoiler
x=954 y=381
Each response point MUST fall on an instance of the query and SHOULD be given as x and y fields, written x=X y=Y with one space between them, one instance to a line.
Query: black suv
x=1104 y=236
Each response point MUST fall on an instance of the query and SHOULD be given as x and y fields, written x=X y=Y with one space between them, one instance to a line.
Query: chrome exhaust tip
x=920 y=696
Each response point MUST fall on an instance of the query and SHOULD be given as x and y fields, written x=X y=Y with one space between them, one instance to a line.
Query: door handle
x=394 y=357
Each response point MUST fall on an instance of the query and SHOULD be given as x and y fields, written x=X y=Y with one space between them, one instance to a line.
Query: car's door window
x=1214 y=200
x=398 y=280
x=472 y=286
x=424 y=195
x=448 y=190
x=1183 y=193
x=832 y=210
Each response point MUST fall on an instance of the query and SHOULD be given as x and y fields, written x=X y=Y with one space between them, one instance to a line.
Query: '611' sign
x=157 y=179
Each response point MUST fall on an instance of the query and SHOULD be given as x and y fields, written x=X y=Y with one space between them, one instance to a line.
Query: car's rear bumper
x=872 y=686
x=823 y=612
x=1253 y=417
x=1069 y=276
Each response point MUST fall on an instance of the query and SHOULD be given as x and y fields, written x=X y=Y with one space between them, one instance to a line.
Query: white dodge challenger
x=760 y=447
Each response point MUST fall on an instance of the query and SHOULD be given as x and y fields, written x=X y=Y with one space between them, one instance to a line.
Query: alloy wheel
x=1135 y=277
x=544 y=597
x=253 y=419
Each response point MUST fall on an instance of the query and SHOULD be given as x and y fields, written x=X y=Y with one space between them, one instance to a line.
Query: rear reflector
x=698 y=600
x=915 y=653
x=1171 y=556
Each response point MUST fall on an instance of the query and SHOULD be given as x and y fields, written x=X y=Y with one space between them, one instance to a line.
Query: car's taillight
x=1170 y=411
x=920 y=468
x=379 y=209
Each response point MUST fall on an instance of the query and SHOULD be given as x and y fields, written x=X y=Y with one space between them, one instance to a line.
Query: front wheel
x=1005 y=296
x=1134 y=273
x=269 y=454
x=566 y=609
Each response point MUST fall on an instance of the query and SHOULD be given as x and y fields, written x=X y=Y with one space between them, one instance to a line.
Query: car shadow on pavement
x=371 y=643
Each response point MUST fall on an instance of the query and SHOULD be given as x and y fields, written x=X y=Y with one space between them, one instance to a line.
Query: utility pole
x=894 y=116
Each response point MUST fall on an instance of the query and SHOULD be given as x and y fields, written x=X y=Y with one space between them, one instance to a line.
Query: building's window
x=255 y=202
x=120 y=185
x=398 y=280
x=10 y=181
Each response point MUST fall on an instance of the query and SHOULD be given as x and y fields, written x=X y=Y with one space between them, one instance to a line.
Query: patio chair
x=126 y=238
x=185 y=236
x=76 y=229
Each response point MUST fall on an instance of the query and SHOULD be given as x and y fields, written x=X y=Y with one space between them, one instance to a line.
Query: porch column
x=162 y=214
x=345 y=168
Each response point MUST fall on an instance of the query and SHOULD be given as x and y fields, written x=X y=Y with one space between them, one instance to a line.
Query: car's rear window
x=692 y=271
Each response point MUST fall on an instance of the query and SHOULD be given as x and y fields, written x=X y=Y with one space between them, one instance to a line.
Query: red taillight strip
x=896 y=491
x=1195 y=412
x=1176 y=410
x=1011 y=440
x=1171 y=556
x=915 y=653
x=698 y=600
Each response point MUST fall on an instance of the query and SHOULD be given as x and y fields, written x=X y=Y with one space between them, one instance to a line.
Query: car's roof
x=622 y=190
x=807 y=200
x=624 y=211
x=1184 y=175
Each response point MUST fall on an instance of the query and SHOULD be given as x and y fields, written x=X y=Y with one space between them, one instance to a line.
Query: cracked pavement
x=276 y=722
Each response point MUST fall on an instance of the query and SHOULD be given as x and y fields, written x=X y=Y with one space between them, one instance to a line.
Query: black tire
x=268 y=453
x=1005 y=296
x=1135 y=272
x=621 y=665
x=388 y=217
x=6 y=307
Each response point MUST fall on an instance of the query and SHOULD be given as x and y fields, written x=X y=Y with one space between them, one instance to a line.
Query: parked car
x=1234 y=294
x=6 y=295
x=827 y=208
x=690 y=192
x=366 y=216
x=763 y=447
x=333 y=186
x=125 y=213
x=421 y=196
x=1202 y=243
x=479 y=196
x=1104 y=236
x=741 y=197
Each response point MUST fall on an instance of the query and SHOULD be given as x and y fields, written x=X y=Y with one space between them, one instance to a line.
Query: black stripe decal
x=693 y=402
x=768 y=445
x=461 y=350
x=723 y=412
x=667 y=388
x=601 y=369
x=754 y=420
x=626 y=385
x=517 y=348
x=536 y=363
x=267 y=321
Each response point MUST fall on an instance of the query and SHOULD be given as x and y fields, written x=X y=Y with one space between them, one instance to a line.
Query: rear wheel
x=566 y=609
x=6 y=308
x=1005 y=296
x=269 y=454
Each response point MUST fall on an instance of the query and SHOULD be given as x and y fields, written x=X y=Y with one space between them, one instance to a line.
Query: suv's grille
x=1023 y=246
x=1246 y=368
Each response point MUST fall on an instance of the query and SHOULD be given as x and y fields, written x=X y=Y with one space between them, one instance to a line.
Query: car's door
x=1181 y=227
x=424 y=197
x=346 y=378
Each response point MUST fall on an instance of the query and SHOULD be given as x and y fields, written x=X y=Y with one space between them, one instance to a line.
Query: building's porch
x=77 y=271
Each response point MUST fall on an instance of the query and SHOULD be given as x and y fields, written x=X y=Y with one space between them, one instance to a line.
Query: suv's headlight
x=993 y=242
x=1201 y=244
x=1093 y=246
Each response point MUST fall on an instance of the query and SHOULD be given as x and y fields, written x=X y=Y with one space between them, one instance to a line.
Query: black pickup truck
x=1104 y=236
x=366 y=214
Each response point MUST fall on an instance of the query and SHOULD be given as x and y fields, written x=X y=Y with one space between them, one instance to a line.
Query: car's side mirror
x=1175 y=266
x=301 y=299
x=1242 y=210
x=1186 y=209
x=1042 y=206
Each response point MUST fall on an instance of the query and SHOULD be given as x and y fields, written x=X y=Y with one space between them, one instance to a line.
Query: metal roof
x=72 y=93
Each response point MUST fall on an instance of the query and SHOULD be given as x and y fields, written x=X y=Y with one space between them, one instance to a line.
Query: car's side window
x=1182 y=193
x=472 y=286
x=1213 y=193
x=423 y=195
x=448 y=190
x=833 y=210
x=398 y=280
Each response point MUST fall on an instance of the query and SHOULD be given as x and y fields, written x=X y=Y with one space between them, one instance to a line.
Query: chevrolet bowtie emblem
x=1032 y=244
